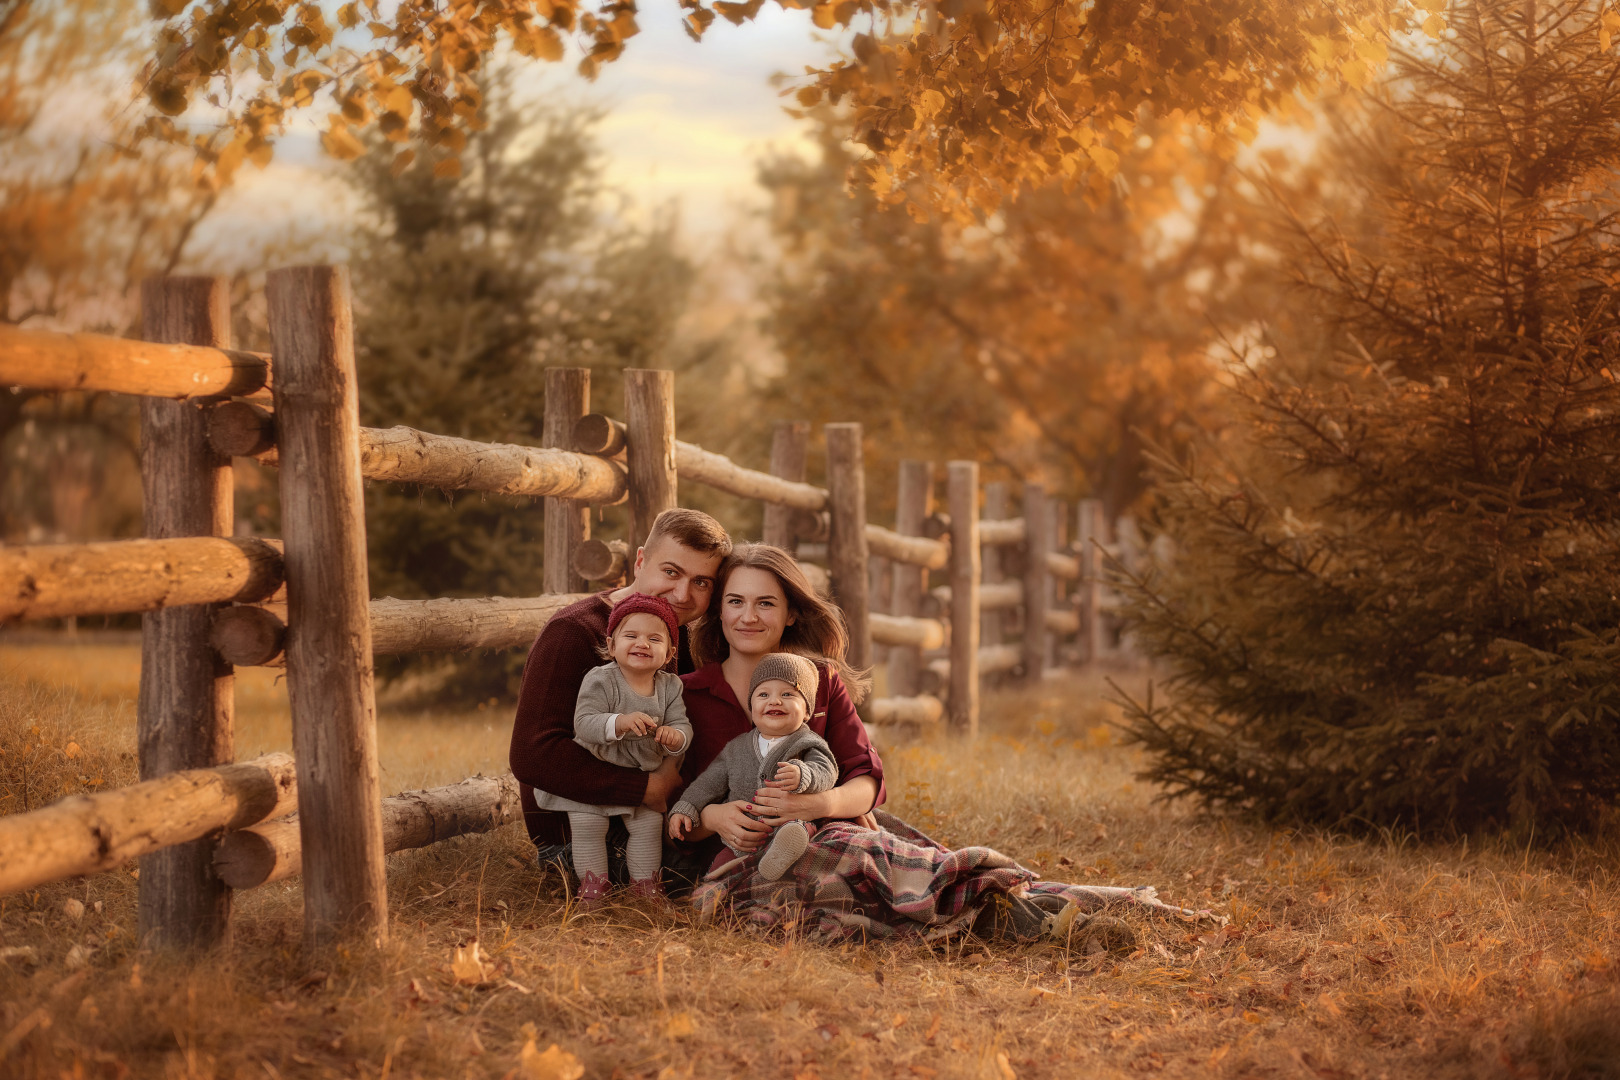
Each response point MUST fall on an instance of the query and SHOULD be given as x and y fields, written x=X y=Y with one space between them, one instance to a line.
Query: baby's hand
x=679 y=826
x=670 y=739
x=634 y=723
x=788 y=776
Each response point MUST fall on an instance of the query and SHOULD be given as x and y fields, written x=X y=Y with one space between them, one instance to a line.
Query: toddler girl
x=781 y=752
x=629 y=712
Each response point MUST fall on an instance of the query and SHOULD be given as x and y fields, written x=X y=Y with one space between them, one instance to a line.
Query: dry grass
x=1344 y=957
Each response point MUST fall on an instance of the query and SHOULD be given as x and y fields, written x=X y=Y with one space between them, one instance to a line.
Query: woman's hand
x=736 y=829
x=774 y=806
x=850 y=800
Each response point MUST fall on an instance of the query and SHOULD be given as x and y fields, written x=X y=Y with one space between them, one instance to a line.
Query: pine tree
x=468 y=284
x=1396 y=594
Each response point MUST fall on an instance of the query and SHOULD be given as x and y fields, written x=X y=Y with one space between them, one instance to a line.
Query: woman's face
x=753 y=611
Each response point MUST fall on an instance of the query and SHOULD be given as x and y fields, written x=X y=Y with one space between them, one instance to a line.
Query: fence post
x=185 y=711
x=1092 y=532
x=912 y=507
x=790 y=449
x=962 y=488
x=992 y=626
x=649 y=423
x=846 y=540
x=329 y=667
x=1037 y=542
x=568 y=522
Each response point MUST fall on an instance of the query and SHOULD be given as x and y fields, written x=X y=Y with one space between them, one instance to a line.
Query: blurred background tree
x=1396 y=602
x=1049 y=340
x=470 y=281
x=82 y=219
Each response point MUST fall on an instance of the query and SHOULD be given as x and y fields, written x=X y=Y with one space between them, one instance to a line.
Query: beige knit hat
x=790 y=668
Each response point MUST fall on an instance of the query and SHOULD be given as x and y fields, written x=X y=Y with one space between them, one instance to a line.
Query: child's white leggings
x=643 y=854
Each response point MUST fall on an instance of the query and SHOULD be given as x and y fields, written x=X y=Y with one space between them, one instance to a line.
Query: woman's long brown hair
x=817 y=631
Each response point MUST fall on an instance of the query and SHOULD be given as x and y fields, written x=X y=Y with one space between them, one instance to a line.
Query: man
x=678 y=562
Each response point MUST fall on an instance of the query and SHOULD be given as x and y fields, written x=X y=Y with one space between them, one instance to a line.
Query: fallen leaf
x=933 y=1028
x=73 y=908
x=679 y=1026
x=554 y=1063
x=466 y=965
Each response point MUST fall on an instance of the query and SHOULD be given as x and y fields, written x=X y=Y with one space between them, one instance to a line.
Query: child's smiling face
x=641 y=643
x=778 y=708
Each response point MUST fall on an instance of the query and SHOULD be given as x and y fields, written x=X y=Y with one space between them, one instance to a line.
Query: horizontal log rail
x=400 y=626
x=271 y=851
x=58 y=580
x=595 y=433
x=907 y=631
x=993 y=595
x=913 y=550
x=992 y=660
x=1063 y=622
x=86 y=834
x=922 y=709
x=718 y=471
x=403 y=455
x=47 y=360
x=1062 y=566
x=1001 y=533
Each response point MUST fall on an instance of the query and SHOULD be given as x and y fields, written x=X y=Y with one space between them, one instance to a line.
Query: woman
x=856 y=879
x=762 y=604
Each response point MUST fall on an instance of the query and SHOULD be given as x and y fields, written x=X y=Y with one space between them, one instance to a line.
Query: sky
x=686 y=124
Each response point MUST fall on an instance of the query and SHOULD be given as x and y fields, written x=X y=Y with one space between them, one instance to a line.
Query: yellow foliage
x=1030 y=75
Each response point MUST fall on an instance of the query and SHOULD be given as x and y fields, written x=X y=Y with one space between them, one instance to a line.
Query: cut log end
x=247 y=636
x=595 y=433
x=602 y=560
x=241 y=429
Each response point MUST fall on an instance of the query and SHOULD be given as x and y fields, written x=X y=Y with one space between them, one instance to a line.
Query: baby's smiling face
x=778 y=708
x=641 y=643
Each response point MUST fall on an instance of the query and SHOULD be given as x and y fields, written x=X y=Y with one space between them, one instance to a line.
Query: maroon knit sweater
x=544 y=754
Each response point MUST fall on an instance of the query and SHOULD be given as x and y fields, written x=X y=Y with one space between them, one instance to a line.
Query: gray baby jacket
x=605 y=694
x=740 y=770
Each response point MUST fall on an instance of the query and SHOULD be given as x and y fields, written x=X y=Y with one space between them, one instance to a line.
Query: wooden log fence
x=304 y=604
x=259 y=854
x=86 y=834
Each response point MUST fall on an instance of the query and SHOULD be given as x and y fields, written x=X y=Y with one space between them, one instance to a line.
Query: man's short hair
x=691 y=529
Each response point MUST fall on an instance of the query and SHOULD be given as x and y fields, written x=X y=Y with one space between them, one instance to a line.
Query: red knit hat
x=652 y=605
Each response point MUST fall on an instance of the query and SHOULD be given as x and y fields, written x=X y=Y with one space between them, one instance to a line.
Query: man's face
x=680 y=575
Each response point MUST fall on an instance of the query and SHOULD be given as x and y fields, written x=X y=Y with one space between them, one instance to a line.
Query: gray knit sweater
x=605 y=694
x=739 y=770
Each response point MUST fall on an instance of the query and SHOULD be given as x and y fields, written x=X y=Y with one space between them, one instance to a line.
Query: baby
x=629 y=712
x=781 y=752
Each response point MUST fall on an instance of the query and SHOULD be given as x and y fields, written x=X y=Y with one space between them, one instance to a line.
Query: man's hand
x=679 y=826
x=788 y=776
x=634 y=723
x=670 y=739
x=661 y=783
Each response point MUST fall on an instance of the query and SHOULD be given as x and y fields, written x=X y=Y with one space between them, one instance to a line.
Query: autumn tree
x=82 y=219
x=1051 y=340
x=961 y=102
x=1395 y=601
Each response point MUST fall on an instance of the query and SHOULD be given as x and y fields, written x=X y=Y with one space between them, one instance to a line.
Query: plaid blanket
x=857 y=884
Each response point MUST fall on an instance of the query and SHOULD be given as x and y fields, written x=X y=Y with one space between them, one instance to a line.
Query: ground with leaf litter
x=1343 y=957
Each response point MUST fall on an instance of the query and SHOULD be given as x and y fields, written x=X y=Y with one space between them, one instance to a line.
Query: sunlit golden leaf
x=553 y=1063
